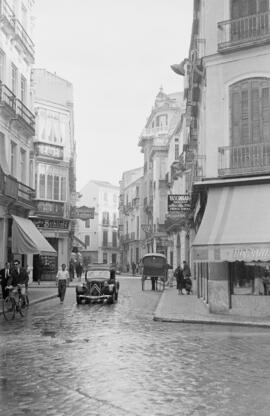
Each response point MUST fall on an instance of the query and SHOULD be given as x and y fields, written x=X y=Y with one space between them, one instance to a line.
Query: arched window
x=250 y=111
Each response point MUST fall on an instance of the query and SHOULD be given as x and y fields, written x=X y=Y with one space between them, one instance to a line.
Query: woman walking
x=62 y=281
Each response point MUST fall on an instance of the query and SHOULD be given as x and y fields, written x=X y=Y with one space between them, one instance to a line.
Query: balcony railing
x=25 y=193
x=7 y=97
x=245 y=159
x=244 y=32
x=23 y=112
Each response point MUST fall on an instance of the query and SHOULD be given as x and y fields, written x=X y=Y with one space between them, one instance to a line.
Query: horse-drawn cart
x=155 y=267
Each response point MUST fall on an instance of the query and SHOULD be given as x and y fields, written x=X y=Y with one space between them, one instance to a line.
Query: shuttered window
x=250 y=111
x=242 y=8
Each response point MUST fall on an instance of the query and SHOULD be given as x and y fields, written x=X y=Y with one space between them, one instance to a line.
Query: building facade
x=55 y=157
x=100 y=235
x=154 y=144
x=228 y=73
x=130 y=214
x=17 y=121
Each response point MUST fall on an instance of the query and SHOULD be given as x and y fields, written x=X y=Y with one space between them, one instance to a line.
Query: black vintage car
x=100 y=285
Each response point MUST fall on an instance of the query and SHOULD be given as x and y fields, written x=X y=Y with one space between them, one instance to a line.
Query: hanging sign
x=179 y=203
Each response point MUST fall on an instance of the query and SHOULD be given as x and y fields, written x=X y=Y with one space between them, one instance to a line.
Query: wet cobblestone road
x=114 y=360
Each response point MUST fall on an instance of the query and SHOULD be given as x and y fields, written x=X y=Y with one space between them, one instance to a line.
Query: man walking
x=62 y=280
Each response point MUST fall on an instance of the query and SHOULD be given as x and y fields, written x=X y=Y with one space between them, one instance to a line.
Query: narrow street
x=115 y=360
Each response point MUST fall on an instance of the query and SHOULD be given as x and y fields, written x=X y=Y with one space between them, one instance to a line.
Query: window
x=13 y=158
x=105 y=258
x=176 y=148
x=87 y=240
x=23 y=165
x=138 y=227
x=14 y=78
x=162 y=120
x=56 y=188
x=137 y=191
x=114 y=239
x=49 y=187
x=23 y=89
x=63 y=189
x=87 y=224
x=31 y=173
x=2 y=65
x=105 y=238
x=42 y=185
x=250 y=111
x=105 y=218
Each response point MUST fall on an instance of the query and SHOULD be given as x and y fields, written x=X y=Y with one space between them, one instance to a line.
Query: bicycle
x=15 y=301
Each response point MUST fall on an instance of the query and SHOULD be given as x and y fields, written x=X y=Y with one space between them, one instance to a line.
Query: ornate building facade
x=55 y=158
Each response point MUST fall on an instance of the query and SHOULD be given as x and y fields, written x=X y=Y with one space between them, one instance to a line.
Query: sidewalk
x=189 y=309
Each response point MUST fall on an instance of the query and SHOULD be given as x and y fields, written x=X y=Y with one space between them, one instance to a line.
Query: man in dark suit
x=19 y=275
x=5 y=277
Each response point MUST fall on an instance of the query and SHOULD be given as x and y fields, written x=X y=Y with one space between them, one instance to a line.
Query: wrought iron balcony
x=248 y=31
x=11 y=188
x=7 y=99
x=249 y=159
x=25 y=115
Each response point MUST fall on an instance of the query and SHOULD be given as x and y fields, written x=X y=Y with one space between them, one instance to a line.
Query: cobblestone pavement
x=115 y=360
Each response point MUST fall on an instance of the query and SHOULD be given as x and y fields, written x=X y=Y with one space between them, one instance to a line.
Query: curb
x=157 y=317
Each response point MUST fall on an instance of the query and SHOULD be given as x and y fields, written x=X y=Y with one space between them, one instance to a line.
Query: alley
x=115 y=360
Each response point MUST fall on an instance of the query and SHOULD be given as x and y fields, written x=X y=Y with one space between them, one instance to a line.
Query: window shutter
x=235 y=117
x=244 y=117
x=266 y=114
x=255 y=115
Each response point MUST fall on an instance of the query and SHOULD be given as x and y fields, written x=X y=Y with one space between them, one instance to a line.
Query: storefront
x=231 y=250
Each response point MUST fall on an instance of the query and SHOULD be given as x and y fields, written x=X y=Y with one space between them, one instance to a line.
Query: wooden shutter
x=235 y=117
x=244 y=115
x=255 y=112
x=266 y=114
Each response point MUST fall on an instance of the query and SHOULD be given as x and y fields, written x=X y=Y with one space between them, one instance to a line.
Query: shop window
x=250 y=278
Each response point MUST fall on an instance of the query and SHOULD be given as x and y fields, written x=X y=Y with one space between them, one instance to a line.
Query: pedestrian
x=5 y=277
x=62 y=281
x=133 y=266
x=186 y=269
x=71 y=270
x=179 y=279
x=79 y=270
x=154 y=282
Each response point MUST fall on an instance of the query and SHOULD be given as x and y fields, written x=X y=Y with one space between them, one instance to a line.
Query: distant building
x=100 y=235
x=55 y=155
x=154 y=143
x=130 y=214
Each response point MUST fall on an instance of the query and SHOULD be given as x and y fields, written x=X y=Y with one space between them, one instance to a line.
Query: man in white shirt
x=62 y=279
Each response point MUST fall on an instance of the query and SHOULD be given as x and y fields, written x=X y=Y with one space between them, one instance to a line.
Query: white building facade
x=100 y=235
x=130 y=214
x=229 y=66
x=55 y=160
x=17 y=121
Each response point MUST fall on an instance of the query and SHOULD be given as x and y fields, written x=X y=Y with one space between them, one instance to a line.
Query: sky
x=117 y=54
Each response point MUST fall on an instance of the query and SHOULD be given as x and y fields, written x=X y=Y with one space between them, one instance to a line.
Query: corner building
x=229 y=64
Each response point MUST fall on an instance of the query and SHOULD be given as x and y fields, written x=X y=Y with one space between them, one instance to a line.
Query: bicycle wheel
x=19 y=306
x=9 y=308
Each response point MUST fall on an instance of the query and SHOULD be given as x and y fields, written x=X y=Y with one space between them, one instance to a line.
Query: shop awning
x=235 y=225
x=27 y=239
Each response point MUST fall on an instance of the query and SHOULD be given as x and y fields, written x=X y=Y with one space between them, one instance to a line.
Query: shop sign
x=251 y=253
x=85 y=213
x=51 y=223
x=179 y=203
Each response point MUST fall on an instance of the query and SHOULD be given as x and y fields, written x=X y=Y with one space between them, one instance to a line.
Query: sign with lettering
x=179 y=203
x=85 y=213
x=51 y=223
